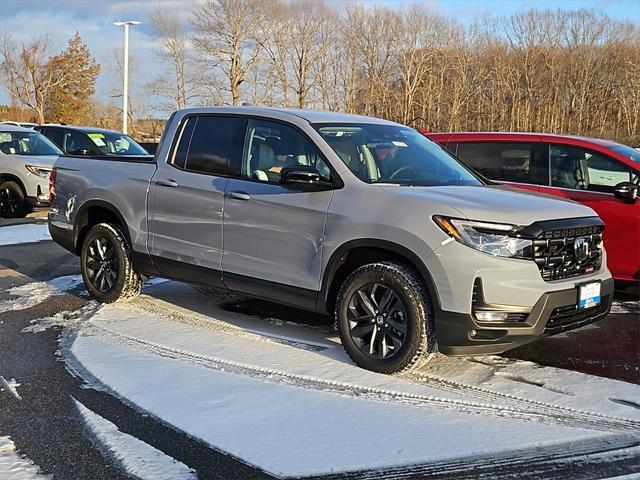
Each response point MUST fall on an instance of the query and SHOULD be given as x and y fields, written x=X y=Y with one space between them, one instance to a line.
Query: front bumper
x=554 y=312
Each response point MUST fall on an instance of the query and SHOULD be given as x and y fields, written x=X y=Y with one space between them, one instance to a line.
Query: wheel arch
x=93 y=212
x=355 y=253
x=9 y=177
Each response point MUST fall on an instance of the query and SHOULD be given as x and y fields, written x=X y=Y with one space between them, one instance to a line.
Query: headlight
x=39 y=171
x=497 y=239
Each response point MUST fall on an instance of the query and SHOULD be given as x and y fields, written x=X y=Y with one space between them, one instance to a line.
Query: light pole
x=125 y=79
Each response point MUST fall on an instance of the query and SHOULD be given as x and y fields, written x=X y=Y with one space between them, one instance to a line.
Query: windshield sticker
x=97 y=139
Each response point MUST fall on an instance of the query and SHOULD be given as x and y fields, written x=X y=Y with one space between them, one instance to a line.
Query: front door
x=187 y=197
x=272 y=234
x=589 y=178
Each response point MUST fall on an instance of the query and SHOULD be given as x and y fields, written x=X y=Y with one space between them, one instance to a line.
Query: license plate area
x=589 y=295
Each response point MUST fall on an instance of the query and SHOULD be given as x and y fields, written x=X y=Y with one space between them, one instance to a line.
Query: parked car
x=353 y=216
x=601 y=174
x=90 y=141
x=26 y=159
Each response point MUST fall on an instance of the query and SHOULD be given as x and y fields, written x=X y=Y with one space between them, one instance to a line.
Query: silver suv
x=26 y=159
x=361 y=218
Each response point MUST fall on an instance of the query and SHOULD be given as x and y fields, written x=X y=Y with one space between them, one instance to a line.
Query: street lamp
x=125 y=80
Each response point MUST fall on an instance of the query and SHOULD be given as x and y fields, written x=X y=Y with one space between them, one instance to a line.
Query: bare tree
x=230 y=33
x=171 y=33
x=27 y=73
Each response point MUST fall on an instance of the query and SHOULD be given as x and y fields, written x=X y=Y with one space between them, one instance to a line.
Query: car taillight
x=52 y=185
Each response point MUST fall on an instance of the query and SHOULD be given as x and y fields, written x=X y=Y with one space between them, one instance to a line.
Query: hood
x=495 y=203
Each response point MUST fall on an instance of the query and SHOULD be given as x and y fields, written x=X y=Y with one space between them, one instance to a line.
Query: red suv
x=601 y=174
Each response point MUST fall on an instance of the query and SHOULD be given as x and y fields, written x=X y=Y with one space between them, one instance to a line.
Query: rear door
x=522 y=164
x=590 y=177
x=273 y=234
x=187 y=197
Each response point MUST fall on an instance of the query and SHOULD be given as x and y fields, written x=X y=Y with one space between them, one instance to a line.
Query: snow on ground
x=31 y=294
x=137 y=458
x=231 y=380
x=626 y=307
x=16 y=467
x=11 y=386
x=25 y=233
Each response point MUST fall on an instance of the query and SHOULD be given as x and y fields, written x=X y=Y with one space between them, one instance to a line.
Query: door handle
x=167 y=183
x=238 y=195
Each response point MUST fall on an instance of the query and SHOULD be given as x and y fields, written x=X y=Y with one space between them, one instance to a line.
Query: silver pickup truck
x=360 y=218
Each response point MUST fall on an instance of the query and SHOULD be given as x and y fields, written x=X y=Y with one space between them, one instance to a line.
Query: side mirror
x=303 y=177
x=626 y=191
x=82 y=151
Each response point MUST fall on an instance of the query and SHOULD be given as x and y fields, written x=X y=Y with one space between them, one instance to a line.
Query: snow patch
x=11 y=386
x=16 y=467
x=136 y=457
x=26 y=233
x=626 y=307
x=31 y=294
x=66 y=319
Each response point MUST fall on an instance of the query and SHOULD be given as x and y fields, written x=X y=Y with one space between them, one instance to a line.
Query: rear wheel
x=384 y=318
x=12 y=201
x=106 y=265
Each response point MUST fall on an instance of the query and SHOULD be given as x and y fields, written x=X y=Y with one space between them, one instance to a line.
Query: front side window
x=506 y=161
x=272 y=146
x=76 y=143
x=27 y=143
x=215 y=146
x=580 y=169
x=395 y=154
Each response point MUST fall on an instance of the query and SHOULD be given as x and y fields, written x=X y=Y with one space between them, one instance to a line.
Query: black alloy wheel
x=107 y=269
x=377 y=320
x=12 y=204
x=385 y=317
x=101 y=264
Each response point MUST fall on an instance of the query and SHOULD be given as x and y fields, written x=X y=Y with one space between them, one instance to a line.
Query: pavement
x=46 y=427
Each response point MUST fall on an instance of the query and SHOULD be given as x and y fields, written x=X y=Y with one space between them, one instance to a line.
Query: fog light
x=492 y=316
x=472 y=333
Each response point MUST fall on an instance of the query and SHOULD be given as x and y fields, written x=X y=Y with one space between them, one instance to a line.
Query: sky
x=60 y=19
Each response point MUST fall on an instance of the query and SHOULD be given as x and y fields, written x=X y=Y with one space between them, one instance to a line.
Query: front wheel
x=385 y=318
x=12 y=201
x=106 y=265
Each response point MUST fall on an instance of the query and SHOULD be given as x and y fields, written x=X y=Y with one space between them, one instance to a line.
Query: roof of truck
x=311 y=116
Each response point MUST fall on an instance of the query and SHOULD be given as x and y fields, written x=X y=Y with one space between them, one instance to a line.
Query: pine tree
x=71 y=100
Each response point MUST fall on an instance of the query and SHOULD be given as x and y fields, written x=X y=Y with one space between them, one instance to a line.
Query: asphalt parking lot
x=46 y=428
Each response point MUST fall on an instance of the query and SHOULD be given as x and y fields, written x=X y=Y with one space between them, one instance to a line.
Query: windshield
x=628 y=152
x=394 y=154
x=115 y=144
x=26 y=143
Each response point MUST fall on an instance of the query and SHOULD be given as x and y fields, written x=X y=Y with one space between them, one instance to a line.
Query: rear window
x=211 y=145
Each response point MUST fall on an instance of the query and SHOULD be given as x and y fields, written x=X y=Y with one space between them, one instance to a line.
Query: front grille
x=558 y=256
x=569 y=317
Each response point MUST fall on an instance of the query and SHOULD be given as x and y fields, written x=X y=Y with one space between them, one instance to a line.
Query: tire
x=12 y=201
x=106 y=247
x=396 y=307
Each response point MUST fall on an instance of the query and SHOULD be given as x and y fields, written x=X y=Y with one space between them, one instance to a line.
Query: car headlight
x=496 y=239
x=39 y=171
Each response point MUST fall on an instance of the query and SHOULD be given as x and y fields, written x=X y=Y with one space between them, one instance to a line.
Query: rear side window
x=56 y=135
x=505 y=161
x=216 y=145
x=184 y=141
